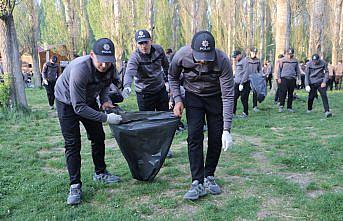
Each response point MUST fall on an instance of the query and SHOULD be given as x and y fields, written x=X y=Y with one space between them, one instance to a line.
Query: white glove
x=126 y=92
x=226 y=140
x=45 y=82
x=240 y=87
x=308 y=88
x=113 y=118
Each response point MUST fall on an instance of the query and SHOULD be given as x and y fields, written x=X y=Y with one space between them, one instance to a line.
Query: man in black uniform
x=208 y=82
x=241 y=83
x=84 y=79
x=316 y=77
x=148 y=65
x=289 y=75
x=50 y=74
x=253 y=67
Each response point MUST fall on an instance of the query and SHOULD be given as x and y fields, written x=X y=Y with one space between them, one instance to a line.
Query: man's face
x=144 y=46
x=289 y=56
x=316 y=62
x=238 y=57
x=253 y=54
x=100 y=66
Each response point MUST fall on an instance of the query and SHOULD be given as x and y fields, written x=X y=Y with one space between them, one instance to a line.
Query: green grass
x=282 y=167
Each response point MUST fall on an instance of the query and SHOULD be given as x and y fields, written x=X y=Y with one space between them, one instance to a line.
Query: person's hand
x=323 y=85
x=279 y=81
x=240 y=87
x=107 y=105
x=308 y=88
x=126 y=92
x=171 y=105
x=226 y=140
x=178 y=109
x=113 y=118
x=45 y=82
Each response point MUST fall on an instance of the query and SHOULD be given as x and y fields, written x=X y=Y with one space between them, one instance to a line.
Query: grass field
x=286 y=166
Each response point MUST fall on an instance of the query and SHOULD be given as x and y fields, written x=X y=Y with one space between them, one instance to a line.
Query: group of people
x=289 y=74
x=198 y=78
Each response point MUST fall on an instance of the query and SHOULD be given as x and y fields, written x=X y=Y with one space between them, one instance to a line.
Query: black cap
x=203 y=46
x=236 y=53
x=54 y=58
x=103 y=48
x=290 y=51
x=315 y=57
x=253 y=49
x=142 y=35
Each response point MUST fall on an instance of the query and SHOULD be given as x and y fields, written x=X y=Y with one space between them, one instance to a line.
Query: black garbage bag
x=259 y=85
x=144 y=138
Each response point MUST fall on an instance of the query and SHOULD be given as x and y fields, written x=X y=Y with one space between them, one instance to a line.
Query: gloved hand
x=113 y=118
x=126 y=92
x=226 y=140
x=308 y=88
x=240 y=87
x=45 y=82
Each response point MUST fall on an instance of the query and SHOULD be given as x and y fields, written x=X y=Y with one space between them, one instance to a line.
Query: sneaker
x=256 y=109
x=328 y=114
x=51 y=107
x=106 y=177
x=290 y=110
x=75 y=193
x=309 y=111
x=280 y=109
x=197 y=190
x=243 y=116
x=211 y=186
x=170 y=154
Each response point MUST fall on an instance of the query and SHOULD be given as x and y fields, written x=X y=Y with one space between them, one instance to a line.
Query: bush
x=5 y=86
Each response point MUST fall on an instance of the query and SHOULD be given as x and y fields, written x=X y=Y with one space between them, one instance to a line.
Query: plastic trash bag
x=144 y=138
x=259 y=85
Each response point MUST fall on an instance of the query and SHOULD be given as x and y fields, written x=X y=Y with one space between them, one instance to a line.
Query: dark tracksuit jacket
x=315 y=75
x=76 y=92
x=209 y=93
x=50 y=72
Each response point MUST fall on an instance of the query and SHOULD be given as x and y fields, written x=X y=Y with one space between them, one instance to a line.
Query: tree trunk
x=336 y=29
x=35 y=33
x=118 y=48
x=133 y=24
x=341 y=37
x=194 y=21
x=175 y=20
x=11 y=60
x=152 y=17
x=283 y=13
x=263 y=14
x=316 y=27
x=251 y=23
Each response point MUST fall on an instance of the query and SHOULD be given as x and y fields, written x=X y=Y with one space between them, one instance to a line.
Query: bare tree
x=336 y=29
x=282 y=36
x=10 y=52
x=316 y=27
x=34 y=27
x=262 y=32
x=251 y=23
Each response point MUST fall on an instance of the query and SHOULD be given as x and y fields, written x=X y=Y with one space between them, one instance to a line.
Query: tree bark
x=175 y=20
x=282 y=35
x=336 y=30
x=316 y=27
x=341 y=37
x=11 y=61
x=152 y=17
x=263 y=14
x=34 y=47
x=251 y=23
x=133 y=24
